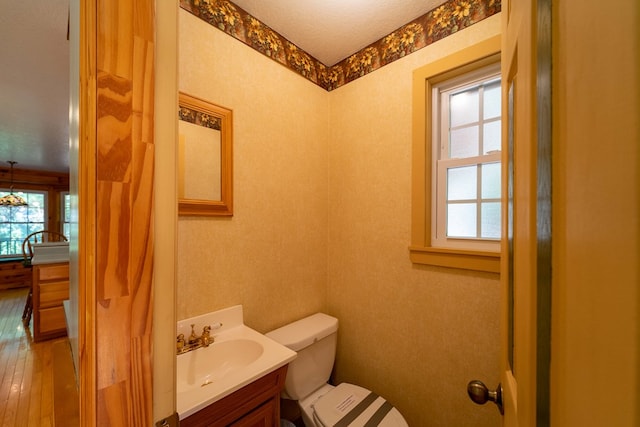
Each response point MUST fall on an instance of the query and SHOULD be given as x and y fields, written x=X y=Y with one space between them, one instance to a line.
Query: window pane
x=35 y=213
x=464 y=107
x=467 y=128
x=18 y=232
x=491 y=181
x=461 y=220
x=492 y=100
x=464 y=142
x=491 y=137
x=490 y=220
x=33 y=227
x=462 y=183
x=18 y=222
x=67 y=208
x=5 y=232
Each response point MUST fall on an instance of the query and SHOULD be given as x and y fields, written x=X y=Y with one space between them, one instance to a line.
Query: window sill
x=454 y=258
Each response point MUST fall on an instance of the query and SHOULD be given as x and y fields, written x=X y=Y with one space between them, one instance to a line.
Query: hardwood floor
x=37 y=383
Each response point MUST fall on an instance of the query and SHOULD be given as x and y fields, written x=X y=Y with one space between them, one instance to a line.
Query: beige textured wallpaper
x=412 y=333
x=321 y=221
x=271 y=256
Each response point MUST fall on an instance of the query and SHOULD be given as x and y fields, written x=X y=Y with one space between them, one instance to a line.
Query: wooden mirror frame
x=224 y=206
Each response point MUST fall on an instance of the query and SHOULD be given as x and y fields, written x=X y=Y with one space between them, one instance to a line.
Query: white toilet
x=314 y=338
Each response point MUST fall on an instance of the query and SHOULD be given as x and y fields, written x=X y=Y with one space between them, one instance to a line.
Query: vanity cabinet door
x=260 y=417
x=255 y=405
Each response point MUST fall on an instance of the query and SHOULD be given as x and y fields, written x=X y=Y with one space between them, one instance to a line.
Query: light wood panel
x=124 y=215
x=82 y=164
x=112 y=166
x=28 y=177
x=37 y=384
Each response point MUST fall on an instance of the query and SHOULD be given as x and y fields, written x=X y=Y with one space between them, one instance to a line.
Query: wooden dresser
x=50 y=289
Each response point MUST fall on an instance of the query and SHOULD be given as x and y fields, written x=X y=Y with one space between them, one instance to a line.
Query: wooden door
x=526 y=270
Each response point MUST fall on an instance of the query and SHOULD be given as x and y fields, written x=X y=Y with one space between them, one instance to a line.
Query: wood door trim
x=86 y=183
x=543 y=212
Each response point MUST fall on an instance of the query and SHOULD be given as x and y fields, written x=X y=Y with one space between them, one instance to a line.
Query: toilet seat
x=355 y=406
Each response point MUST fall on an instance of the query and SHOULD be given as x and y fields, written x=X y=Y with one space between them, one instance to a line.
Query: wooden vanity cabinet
x=50 y=289
x=255 y=405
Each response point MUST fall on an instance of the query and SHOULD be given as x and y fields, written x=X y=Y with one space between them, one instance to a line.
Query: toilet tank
x=314 y=338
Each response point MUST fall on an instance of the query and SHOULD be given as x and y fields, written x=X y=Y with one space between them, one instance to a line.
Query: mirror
x=205 y=161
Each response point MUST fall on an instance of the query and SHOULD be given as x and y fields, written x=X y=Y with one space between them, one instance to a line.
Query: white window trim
x=442 y=163
x=439 y=235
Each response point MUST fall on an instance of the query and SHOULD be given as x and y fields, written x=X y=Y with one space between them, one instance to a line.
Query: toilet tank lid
x=304 y=332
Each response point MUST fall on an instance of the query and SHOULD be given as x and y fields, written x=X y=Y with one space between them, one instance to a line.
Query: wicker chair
x=27 y=252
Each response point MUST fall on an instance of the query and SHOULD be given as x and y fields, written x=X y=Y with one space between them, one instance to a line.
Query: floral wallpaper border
x=450 y=17
x=199 y=118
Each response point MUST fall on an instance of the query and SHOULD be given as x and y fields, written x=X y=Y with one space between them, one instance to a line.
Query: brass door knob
x=480 y=394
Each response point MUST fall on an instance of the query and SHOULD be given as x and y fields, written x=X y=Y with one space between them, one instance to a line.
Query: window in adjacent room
x=66 y=213
x=456 y=160
x=17 y=222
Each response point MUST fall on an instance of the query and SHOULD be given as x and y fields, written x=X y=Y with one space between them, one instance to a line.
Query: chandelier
x=12 y=199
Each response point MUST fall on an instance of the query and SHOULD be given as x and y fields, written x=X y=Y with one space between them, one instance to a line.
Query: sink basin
x=238 y=356
x=210 y=364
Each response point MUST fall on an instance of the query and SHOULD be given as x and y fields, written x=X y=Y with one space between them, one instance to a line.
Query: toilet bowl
x=314 y=338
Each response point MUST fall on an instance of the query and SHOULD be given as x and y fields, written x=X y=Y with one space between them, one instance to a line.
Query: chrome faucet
x=194 y=341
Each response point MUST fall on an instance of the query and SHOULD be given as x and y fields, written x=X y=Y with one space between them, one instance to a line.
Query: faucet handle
x=206 y=337
x=193 y=337
x=180 y=343
x=216 y=325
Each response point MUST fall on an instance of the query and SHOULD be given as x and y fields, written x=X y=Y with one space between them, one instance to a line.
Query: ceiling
x=34 y=70
x=34 y=84
x=331 y=30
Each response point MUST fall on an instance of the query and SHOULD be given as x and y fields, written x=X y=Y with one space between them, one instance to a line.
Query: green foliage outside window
x=66 y=214
x=16 y=223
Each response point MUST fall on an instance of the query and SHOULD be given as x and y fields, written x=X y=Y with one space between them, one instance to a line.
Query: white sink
x=238 y=356
x=206 y=366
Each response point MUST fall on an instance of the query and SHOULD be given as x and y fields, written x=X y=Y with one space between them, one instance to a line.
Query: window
x=456 y=173
x=466 y=176
x=16 y=223
x=66 y=213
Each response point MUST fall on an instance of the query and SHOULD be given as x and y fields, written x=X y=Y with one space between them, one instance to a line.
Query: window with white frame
x=17 y=222
x=466 y=181
x=66 y=213
x=456 y=189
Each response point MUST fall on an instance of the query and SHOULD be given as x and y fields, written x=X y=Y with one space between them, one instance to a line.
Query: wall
x=165 y=210
x=414 y=334
x=73 y=313
x=322 y=222
x=271 y=256
x=596 y=216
